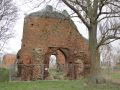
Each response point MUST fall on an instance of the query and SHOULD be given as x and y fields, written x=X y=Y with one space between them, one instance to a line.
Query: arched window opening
x=52 y=61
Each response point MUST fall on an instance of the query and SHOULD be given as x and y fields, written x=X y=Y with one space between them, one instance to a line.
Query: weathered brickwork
x=52 y=33
x=8 y=60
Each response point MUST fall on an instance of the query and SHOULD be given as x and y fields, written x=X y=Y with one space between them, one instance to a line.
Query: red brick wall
x=8 y=60
x=41 y=32
x=47 y=32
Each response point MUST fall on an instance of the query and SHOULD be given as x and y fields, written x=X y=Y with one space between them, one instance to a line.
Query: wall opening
x=56 y=65
x=52 y=61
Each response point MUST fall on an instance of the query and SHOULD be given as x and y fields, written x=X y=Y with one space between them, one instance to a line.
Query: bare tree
x=98 y=16
x=101 y=18
x=117 y=57
x=31 y=5
x=8 y=16
x=107 y=54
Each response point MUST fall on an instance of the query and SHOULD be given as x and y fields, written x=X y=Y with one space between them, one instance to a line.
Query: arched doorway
x=54 y=64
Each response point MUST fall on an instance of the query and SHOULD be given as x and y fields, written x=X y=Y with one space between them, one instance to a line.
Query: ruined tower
x=48 y=32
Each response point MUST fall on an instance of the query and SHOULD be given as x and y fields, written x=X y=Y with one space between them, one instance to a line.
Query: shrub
x=4 y=74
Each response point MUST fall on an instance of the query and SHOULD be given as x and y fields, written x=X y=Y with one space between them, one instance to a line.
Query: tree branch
x=76 y=11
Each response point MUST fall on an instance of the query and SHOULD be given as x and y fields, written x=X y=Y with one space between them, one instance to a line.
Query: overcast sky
x=14 y=44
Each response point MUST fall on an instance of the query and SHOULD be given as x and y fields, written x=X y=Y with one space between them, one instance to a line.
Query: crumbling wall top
x=49 y=12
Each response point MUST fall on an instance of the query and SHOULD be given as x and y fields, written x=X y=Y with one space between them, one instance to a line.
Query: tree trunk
x=95 y=74
x=95 y=62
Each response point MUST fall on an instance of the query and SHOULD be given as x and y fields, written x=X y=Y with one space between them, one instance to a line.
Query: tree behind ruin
x=97 y=15
x=8 y=16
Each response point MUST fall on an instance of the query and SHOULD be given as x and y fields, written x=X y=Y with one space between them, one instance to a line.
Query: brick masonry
x=47 y=33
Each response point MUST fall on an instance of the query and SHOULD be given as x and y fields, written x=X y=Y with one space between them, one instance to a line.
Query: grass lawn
x=115 y=75
x=56 y=85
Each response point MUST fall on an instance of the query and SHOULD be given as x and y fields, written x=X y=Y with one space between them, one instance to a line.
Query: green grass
x=115 y=75
x=56 y=85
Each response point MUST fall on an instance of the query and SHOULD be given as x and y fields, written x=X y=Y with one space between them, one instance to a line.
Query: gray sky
x=14 y=44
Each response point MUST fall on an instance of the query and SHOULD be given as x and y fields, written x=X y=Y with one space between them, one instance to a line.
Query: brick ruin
x=8 y=61
x=47 y=33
